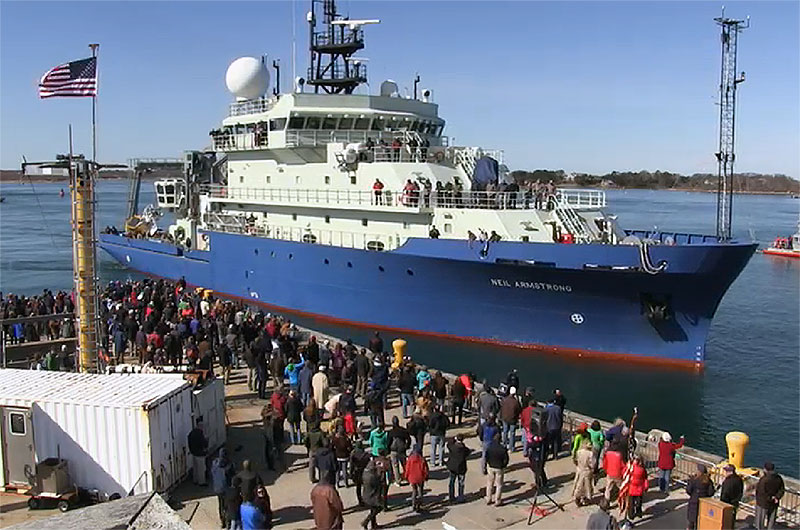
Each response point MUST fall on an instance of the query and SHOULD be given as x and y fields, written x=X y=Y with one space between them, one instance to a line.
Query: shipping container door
x=180 y=425
x=163 y=465
x=19 y=459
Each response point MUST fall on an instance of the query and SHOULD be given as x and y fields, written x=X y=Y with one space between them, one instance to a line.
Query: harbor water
x=751 y=380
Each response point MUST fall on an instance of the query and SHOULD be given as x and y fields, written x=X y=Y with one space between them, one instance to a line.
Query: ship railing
x=334 y=238
x=224 y=141
x=252 y=106
x=425 y=199
x=321 y=138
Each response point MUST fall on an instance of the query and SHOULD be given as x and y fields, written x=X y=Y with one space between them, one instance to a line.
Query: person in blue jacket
x=252 y=517
x=292 y=371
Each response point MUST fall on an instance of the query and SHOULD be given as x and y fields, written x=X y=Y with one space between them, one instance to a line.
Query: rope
x=41 y=212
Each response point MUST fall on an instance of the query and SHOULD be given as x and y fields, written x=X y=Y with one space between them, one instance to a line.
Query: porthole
x=409 y=272
x=380 y=268
x=272 y=254
x=255 y=251
x=349 y=265
x=326 y=262
x=291 y=256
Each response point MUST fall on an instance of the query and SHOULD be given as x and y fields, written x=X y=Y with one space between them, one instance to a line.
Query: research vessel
x=356 y=207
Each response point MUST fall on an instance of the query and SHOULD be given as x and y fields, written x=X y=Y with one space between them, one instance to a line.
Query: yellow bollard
x=399 y=348
x=737 y=443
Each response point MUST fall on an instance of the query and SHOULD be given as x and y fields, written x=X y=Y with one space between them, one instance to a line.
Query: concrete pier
x=289 y=487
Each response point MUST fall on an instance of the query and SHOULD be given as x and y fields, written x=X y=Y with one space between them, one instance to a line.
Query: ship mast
x=332 y=65
x=727 y=114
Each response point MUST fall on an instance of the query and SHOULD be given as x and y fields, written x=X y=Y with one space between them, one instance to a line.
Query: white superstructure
x=363 y=170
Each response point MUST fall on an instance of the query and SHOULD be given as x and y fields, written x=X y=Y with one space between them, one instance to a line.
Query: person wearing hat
x=699 y=485
x=732 y=488
x=581 y=435
x=320 y=385
x=510 y=411
x=769 y=491
x=666 y=459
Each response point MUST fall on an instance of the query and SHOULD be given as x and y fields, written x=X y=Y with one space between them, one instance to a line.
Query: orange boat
x=788 y=247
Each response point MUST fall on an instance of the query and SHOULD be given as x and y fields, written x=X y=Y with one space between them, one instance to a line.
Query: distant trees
x=754 y=182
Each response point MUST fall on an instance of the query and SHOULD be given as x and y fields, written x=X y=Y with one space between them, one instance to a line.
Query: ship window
x=241 y=179
x=255 y=251
x=417 y=126
x=277 y=124
x=327 y=179
x=352 y=179
x=380 y=268
x=272 y=254
x=269 y=179
x=309 y=238
x=329 y=124
x=326 y=261
x=406 y=225
x=313 y=122
x=346 y=123
x=361 y=124
x=364 y=222
x=409 y=272
x=448 y=228
x=296 y=122
x=349 y=265
x=375 y=245
x=378 y=124
x=294 y=217
x=297 y=179
x=406 y=124
x=327 y=218
x=291 y=256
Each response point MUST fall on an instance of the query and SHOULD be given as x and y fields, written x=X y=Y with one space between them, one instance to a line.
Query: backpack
x=398 y=445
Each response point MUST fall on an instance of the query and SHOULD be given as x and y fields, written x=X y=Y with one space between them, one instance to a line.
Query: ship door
x=19 y=460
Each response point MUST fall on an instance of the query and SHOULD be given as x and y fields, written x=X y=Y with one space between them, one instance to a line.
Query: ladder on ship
x=572 y=221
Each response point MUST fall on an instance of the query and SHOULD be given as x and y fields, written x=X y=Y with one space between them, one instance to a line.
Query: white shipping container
x=119 y=432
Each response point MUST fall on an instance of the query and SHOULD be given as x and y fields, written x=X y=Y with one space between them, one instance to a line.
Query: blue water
x=752 y=376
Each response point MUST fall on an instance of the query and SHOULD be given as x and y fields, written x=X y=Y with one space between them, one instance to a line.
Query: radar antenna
x=727 y=114
x=331 y=67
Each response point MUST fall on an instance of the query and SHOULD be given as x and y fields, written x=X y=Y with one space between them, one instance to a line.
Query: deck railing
x=336 y=238
x=320 y=138
x=519 y=200
x=239 y=142
x=252 y=106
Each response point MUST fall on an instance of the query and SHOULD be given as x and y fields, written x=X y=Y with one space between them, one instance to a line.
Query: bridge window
x=361 y=124
x=346 y=123
x=296 y=122
x=309 y=238
x=328 y=219
x=327 y=179
x=277 y=124
x=377 y=246
x=329 y=123
x=364 y=222
x=313 y=122
x=378 y=124
x=294 y=217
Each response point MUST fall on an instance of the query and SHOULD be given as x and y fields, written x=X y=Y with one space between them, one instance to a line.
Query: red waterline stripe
x=575 y=353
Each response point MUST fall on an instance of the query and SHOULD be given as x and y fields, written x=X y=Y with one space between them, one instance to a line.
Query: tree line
x=752 y=182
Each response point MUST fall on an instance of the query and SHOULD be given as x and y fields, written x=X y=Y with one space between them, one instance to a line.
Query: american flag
x=624 y=488
x=75 y=79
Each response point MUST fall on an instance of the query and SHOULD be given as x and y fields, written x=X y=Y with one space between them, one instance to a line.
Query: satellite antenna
x=727 y=121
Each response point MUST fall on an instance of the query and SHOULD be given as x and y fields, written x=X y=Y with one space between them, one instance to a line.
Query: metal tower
x=332 y=67
x=727 y=121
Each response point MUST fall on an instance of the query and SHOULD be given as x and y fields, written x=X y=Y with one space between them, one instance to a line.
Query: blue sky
x=583 y=86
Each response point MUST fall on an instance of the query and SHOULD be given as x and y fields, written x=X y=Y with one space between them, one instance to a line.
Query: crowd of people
x=332 y=399
x=14 y=306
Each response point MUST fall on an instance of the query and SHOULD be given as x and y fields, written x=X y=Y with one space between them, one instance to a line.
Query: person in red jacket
x=614 y=466
x=416 y=473
x=666 y=459
x=637 y=488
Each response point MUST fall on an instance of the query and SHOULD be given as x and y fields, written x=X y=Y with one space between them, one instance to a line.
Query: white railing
x=442 y=198
x=311 y=138
x=252 y=106
x=239 y=142
x=335 y=238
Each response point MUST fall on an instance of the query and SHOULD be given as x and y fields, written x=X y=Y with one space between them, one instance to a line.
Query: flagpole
x=94 y=48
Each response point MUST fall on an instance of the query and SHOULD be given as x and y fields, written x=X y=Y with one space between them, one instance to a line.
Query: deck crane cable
x=41 y=211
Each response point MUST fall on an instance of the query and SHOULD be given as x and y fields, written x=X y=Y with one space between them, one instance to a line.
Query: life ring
x=180 y=233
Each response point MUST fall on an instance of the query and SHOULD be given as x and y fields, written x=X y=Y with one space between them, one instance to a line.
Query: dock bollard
x=737 y=444
x=399 y=348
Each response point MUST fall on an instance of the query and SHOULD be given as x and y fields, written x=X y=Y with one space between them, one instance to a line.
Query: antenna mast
x=727 y=121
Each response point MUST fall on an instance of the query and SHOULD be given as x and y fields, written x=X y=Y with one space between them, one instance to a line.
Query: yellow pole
x=82 y=187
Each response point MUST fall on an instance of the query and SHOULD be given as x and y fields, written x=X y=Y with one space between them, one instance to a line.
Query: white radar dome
x=247 y=78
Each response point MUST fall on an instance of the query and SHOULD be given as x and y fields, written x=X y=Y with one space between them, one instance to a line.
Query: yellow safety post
x=737 y=444
x=399 y=348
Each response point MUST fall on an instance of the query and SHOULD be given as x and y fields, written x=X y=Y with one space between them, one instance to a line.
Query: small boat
x=788 y=247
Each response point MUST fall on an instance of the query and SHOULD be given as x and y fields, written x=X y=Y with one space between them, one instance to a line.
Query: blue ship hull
x=583 y=300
